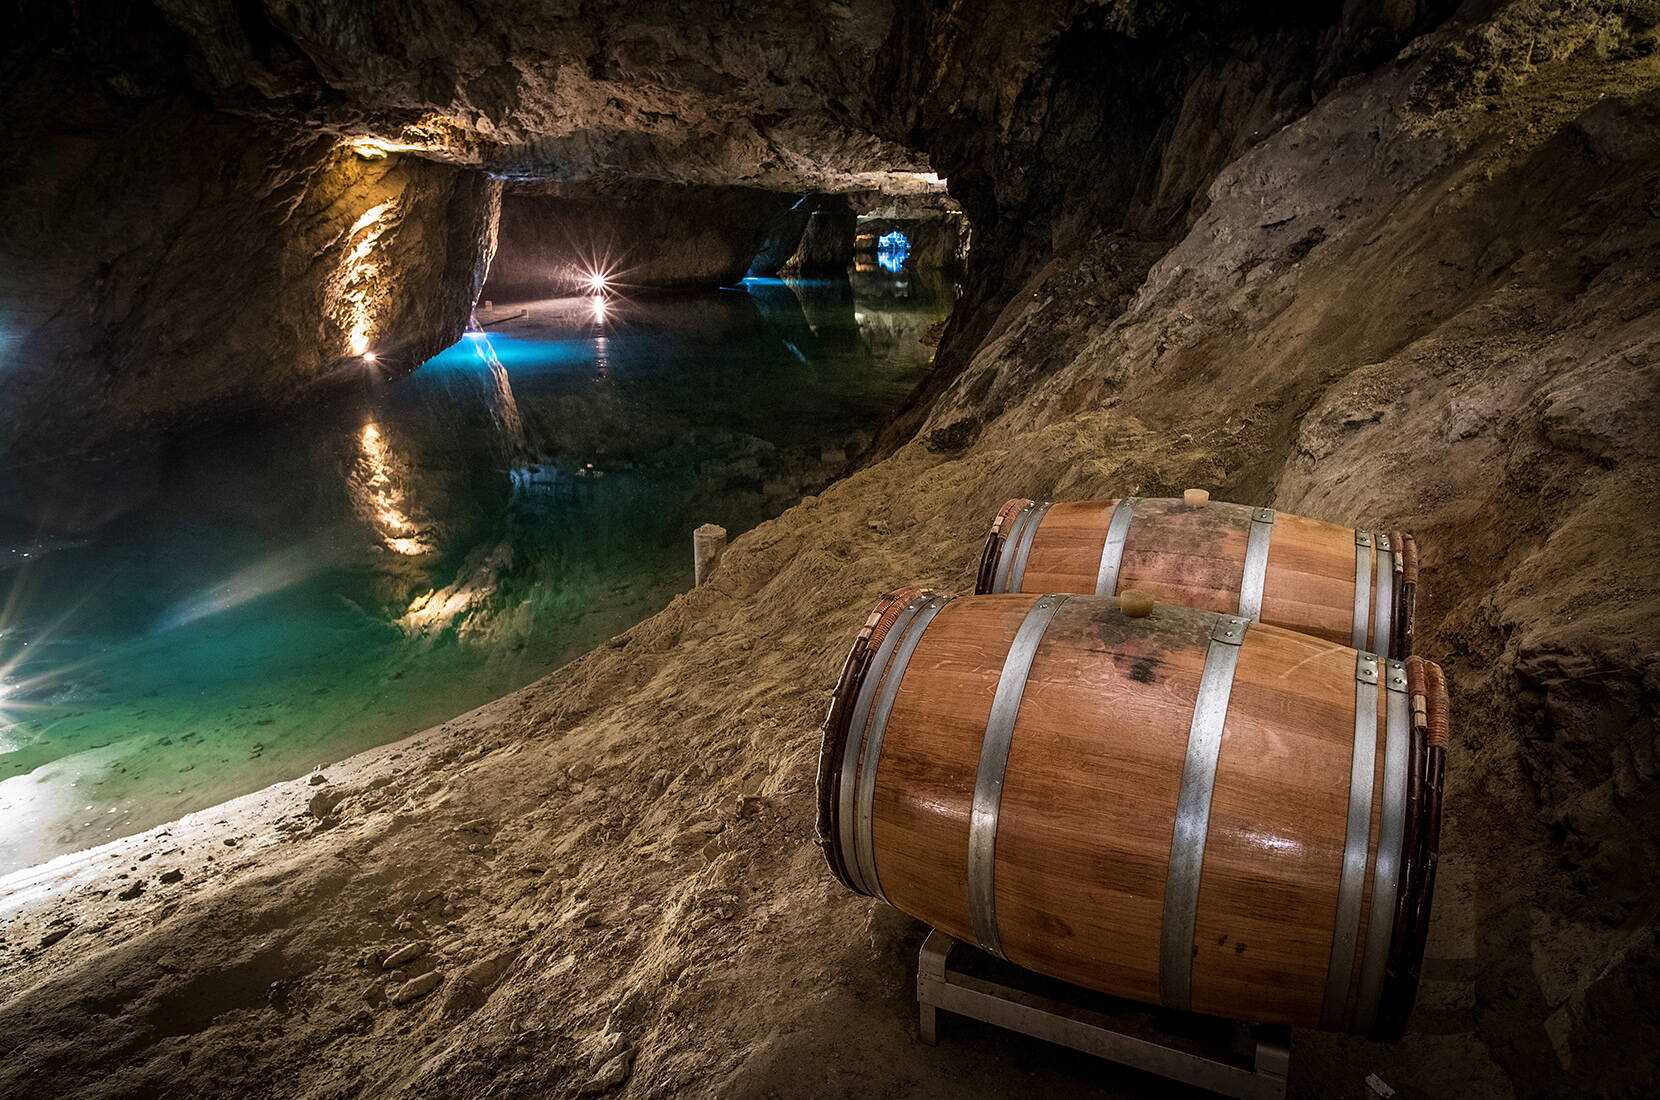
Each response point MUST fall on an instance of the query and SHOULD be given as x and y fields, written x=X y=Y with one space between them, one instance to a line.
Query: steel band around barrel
x=1257 y=543
x=1112 y=550
x=856 y=734
x=994 y=760
x=1386 y=872
x=864 y=823
x=1363 y=591
x=1187 y=841
x=1005 y=560
x=1384 y=607
x=1017 y=572
x=1357 y=836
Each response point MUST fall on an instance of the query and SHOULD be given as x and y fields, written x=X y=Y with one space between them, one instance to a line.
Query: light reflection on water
x=264 y=600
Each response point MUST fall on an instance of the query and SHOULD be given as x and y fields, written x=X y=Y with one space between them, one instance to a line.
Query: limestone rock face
x=826 y=246
x=773 y=95
x=638 y=235
x=783 y=237
x=185 y=267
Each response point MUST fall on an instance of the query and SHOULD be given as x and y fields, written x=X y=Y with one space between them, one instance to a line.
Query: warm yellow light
x=599 y=310
x=370 y=148
x=596 y=282
x=358 y=272
x=370 y=356
x=381 y=499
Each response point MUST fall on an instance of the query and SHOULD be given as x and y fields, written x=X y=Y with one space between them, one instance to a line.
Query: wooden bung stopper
x=1136 y=603
x=1195 y=497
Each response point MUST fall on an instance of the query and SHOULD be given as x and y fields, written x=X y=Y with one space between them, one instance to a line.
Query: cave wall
x=826 y=247
x=642 y=235
x=184 y=268
x=782 y=238
x=163 y=265
x=1075 y=120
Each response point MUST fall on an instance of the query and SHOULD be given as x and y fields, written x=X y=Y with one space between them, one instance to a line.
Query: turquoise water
x=251 y=604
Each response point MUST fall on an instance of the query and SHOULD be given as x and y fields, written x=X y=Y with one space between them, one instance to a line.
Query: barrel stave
x=1274 y=851
x=1185 y=554
x=930 y=758
x=1066 y=553
x=1310 y=578
x=1093 y=775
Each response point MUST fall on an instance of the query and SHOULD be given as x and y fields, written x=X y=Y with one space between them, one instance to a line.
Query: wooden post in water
x=707 y=543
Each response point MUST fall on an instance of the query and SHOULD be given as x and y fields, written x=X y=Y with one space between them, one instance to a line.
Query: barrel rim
x=996 y=538
x=839 y=717
x=1406 y=595
x=1404 y=965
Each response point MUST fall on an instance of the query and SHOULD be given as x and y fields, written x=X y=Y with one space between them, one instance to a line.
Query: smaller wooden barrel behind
x=1184 y=808
x=1337 y=583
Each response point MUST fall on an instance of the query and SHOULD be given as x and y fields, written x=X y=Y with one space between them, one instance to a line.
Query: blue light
x=516 y=353
x=891 y=250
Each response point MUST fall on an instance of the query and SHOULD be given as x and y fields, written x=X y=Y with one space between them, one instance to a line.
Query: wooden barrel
x=1185 y=808
x=1349 y=586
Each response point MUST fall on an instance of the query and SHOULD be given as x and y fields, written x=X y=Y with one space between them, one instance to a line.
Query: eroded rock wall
x=1061 y=122
x=826 y=247
x=162 y=265
x=183 y=268
x=638 y=235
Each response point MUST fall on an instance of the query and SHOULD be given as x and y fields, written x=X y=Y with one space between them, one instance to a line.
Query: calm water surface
x=261 y=601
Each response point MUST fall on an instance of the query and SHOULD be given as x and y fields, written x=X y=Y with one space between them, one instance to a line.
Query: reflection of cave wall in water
x=641 y=235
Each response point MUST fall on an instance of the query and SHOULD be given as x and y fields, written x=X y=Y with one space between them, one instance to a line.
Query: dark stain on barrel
x=1142 y=671
x=1054 y=925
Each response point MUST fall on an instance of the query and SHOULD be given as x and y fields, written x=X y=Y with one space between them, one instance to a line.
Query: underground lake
x=259 y=601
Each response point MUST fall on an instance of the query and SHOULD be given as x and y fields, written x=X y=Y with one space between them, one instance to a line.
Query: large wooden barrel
x=1334 y=582
x=1185 y=809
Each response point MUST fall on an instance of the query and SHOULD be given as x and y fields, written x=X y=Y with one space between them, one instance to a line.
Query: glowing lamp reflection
x=382 y=499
